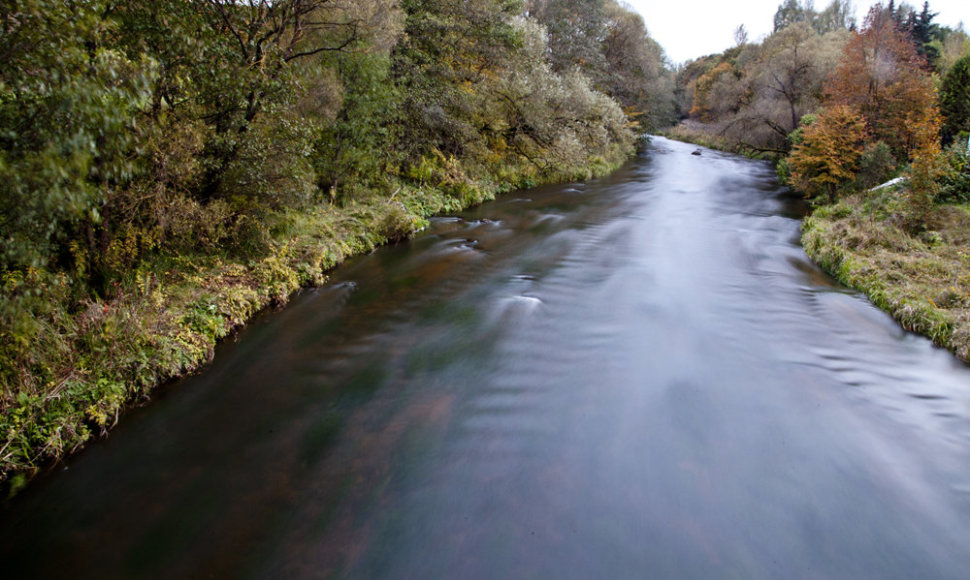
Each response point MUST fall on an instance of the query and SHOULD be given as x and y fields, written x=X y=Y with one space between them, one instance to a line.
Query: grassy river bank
x=90 y=362
x=921 y=280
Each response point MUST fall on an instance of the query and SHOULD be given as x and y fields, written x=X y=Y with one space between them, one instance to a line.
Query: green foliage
x=836 y=16
x=925 y=33
x=783 y=171
x=791 y=12
x=355 y=146
x=955 y=98
x=876 y=166
x=955 y=182
x=448 y=53
x=67 y=127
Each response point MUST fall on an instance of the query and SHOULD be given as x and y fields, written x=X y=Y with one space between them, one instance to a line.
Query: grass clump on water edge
x=70 y=366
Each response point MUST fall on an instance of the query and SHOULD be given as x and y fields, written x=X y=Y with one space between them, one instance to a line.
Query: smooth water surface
x=638 y=377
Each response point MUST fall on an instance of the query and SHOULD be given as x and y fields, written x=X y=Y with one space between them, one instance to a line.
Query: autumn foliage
x=703 y=99
x=828 y=154
x=927 y=167
x=880 y=93
x=883 y=78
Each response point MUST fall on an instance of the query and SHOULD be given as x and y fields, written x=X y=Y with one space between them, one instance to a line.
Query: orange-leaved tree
x=827 y=155
x=883 y=78
x=927 y=167
x=704 y=103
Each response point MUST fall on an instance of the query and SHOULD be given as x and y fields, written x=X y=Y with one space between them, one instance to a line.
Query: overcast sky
x=691 y=28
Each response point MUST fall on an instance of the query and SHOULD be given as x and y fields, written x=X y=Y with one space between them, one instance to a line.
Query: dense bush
x=876 y=166
x=955 y=183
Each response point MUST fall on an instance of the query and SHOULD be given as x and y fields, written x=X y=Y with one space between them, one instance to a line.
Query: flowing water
x=637 y=377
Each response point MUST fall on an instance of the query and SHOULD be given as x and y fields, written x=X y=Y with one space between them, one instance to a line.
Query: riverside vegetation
x=844 y=108
x=169 y=168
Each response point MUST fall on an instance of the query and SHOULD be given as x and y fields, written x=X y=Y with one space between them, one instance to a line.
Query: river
x=642 y=376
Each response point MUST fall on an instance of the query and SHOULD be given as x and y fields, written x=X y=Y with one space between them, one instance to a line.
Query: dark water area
x=638 y=377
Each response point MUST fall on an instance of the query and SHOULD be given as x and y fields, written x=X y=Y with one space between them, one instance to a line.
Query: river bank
x=697 y=133
x=921 y=280
x=98 y=358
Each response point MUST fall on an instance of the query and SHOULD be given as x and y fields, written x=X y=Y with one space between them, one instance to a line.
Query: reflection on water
x=642 y=376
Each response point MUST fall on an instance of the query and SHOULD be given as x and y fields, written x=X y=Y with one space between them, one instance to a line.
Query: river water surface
x=638 y=377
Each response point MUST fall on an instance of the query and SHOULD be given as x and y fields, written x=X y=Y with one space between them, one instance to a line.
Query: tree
x=448 y=55
x=791 y=70
x=576 y=30
x=792 y=11
x=836 y=16
x=257 y=42
x=352 y=147
x=636 y=74
x=784 y=83
x=552 y=121
x=955 y=98
x=68 y=104
x=927 y=168
x=827 y=155
x=883 y=78
x=740 y=35
x=717 y=92
x=924 y=31
x=954 y=46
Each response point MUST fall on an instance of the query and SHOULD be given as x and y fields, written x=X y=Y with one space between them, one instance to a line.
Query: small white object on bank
x=889 y=183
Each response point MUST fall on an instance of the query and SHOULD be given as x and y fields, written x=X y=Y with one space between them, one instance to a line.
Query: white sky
x=688 y=29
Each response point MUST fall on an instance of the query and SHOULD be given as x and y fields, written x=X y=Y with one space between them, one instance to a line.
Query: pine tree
x=923 y=30
x=955 y=98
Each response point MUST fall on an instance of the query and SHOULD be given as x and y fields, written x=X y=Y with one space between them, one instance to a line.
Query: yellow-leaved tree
x=927 y=167
x=827 y=155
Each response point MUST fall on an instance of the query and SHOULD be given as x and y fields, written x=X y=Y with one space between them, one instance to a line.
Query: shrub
x=876 y=166
x=955 y=183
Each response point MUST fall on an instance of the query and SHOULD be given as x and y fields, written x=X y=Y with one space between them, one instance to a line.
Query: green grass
x=921 y=280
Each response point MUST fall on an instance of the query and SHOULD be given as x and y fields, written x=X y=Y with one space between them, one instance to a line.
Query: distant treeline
x=869 y=121
x=844 y=105
x=167 y=166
